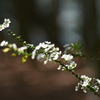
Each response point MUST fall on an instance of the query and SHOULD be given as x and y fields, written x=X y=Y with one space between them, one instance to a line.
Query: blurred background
x=58 y=21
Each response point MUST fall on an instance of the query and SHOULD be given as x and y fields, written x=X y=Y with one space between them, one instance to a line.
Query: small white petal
x=67 y=57
x=33 y=54
x=4 y=43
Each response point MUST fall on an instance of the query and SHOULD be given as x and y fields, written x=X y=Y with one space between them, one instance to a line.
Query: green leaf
x=18 y=37
x=77 y=46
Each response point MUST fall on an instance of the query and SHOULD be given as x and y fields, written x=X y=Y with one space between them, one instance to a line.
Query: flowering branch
x=46 y=52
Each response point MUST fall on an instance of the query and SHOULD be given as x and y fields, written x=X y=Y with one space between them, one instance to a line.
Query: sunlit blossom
x=33 y=54
x=1 y=27
x=4 y=43
x=98 y=81
x=40 y=57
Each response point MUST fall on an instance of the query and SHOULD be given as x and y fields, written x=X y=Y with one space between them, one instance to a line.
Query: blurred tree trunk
x=25 y=16
x=90 y=34
x=29 y=17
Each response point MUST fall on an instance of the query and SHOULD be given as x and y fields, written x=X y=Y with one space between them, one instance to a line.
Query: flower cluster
x=23 y=50
x=68 y=47
x=13 y=46
x=88 y=84
x=5 y=24
x=70 y=63
x=4 y=43
x=73 y=48
x=46 y=51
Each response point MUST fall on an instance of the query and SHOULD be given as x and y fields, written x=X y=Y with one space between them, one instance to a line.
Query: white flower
x=84 y=90
x=45 y=62
x=47 y=42
x=76 y=88
x=85 y=78
x=40 y=56
x=96 y=88
x=67 y=57
x=49 y=47
x=47 y=59
x=33 y=54
x=98 y=81
x=68 y=47
x=85 y=83
x=38 y=47
x=4 y=43
x=31 y=45
x=55 y=55
x=54 y=49
x=14 y=46
x=72 y=65
x=63 y=69
x=79 y=53
x=1 y=27
x=41 y=45
x=21 y=49
x=6 y=23
x=60 y=66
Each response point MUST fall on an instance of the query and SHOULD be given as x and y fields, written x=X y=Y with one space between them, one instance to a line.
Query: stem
x=76 y=75
x=21 y=41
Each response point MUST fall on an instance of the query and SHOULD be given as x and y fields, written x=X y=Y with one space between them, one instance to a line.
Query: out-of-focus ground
x=34 y=81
